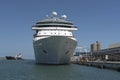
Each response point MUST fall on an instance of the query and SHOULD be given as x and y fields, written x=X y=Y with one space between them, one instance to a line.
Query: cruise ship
x=53 y=41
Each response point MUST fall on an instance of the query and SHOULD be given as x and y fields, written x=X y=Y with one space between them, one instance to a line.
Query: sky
x=97 y=20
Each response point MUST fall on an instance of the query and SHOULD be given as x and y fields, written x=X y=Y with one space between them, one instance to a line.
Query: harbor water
x=28 y=70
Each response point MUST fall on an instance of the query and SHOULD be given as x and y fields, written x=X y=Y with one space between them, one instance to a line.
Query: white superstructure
x=54 y=42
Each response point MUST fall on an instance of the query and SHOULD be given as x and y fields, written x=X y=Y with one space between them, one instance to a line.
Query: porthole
x=67 y=52
x=45 y=51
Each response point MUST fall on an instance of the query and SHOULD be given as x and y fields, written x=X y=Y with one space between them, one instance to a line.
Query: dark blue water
x=28 y=70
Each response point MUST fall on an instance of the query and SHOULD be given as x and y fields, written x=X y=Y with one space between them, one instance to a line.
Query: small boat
x=17 y=57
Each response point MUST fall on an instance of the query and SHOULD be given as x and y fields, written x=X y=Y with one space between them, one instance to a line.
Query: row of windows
x=54 y=33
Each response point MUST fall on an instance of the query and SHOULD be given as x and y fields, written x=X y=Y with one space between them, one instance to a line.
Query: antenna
x=47 y=16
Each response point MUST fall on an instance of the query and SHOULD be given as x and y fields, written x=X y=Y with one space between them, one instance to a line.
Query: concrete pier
x=102 y=64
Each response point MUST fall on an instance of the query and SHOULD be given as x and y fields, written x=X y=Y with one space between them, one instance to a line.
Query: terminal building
x=111 y=54
x=114 y=45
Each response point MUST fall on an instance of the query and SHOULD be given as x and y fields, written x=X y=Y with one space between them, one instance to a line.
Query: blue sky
x=95 y=19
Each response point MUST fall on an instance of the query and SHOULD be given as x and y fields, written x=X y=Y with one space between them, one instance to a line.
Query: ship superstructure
x=53 y=41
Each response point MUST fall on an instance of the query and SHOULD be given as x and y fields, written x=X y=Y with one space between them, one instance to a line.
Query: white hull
x=54 y=49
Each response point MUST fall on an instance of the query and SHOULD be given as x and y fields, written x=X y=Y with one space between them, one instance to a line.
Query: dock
x=108 y=58
x=102 y=64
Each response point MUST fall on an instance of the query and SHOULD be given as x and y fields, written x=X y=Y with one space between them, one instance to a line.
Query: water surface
x=28 y=70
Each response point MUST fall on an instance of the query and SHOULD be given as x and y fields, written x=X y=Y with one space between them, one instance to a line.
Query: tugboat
x=17 y=57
